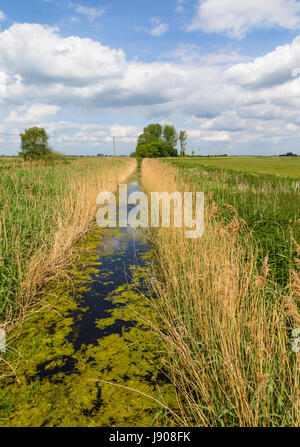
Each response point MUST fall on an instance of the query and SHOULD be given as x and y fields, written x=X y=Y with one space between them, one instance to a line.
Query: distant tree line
x=157 y=141
x=208 y=156
x=289 y=154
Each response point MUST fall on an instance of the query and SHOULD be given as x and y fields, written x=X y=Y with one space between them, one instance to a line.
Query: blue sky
x=91 y=70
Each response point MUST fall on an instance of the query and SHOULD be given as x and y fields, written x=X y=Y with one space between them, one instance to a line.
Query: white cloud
x=31 y=115
x=38 y=53
x=218 y=97
x=158 y=28
x=74 y=134
x=237 y=18
x=22 y=117
x=190 y=53
x=89 y=12
x=180 y=5
x=2 y=16
x=74 y=137
x=202 y=135
x=274 y=68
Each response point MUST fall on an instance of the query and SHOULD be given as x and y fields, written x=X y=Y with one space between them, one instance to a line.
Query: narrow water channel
x=90 y=359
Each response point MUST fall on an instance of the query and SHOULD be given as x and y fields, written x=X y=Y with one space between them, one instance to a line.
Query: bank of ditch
x=44 y=209
x=227 y=324
x=91 y=356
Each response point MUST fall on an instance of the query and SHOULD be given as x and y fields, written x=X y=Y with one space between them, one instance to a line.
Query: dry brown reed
x=72 y=214
x=225 y=326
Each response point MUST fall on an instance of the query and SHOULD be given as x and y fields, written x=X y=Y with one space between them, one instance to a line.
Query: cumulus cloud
x=38 y=53
x=272 y=69
x=31 y=115
x=202 y=135
x=70 y=133
x=237 y=18
x=191 y=53
x=219 y=97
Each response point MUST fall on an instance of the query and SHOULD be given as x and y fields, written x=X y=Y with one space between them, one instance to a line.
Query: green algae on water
x=91 y=358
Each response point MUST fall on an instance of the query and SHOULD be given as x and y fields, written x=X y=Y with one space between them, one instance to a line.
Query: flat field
x=282 y=166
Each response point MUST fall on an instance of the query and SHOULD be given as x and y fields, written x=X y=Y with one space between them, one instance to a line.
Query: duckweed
x=95 y=332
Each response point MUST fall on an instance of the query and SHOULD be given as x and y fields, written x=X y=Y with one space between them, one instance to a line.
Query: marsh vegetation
x=229 y=301
x=119 y=330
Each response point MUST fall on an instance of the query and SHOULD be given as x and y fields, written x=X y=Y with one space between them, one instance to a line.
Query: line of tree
x=289 y=154
x=157 y=141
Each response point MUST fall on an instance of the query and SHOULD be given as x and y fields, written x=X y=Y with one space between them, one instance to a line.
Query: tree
x=155 y=130
x=170 y=135
x=151 y=144
x=157 y=149
x=145 y=138
x=151 y=133
x=34 y=143
x=183 y=140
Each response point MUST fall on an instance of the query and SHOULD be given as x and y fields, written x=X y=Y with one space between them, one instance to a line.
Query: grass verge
x=226 y=321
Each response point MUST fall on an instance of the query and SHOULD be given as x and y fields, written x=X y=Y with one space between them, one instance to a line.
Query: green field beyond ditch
x=283 y=166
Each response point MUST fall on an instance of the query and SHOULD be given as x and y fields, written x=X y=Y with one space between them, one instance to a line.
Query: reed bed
x=268 y=204
x=225 y=322
x=44 y=209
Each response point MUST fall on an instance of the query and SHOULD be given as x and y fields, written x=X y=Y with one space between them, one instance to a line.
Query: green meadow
x=282 y=166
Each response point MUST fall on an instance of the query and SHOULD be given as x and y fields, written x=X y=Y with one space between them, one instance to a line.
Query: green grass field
x=283 y=166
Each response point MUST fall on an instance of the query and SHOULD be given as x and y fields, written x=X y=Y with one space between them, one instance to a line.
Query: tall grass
x=44 y=208
x=226 y=322
x=267 y=204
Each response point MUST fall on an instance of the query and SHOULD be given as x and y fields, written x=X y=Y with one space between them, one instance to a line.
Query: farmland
x=281 y=166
